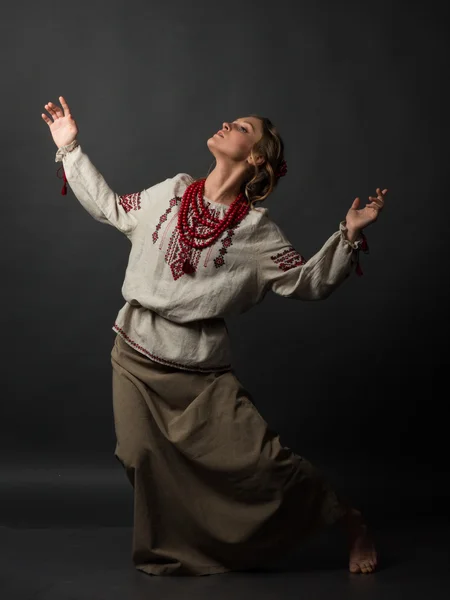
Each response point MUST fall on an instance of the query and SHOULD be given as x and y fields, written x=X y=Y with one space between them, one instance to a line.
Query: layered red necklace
x=193 y=201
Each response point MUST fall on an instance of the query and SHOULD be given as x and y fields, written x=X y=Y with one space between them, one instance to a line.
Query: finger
x=381 y=193
x=50 y=110
x=46 y=119
x=58 y=112
x=65 y=106
x=378 y=201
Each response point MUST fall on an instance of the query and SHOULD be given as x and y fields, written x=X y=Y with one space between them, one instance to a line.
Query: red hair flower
x=282 y=170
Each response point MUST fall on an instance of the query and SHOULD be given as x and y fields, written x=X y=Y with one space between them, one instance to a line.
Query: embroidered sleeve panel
x=130 y=201
x=283 y=270
x=288 y=259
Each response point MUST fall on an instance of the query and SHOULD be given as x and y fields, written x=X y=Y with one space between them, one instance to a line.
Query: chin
x=211 y=144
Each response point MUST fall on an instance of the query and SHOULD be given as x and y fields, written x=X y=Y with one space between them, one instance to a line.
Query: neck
x=224 y=183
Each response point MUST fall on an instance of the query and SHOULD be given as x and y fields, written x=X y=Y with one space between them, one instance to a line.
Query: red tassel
x=187 y=267
x=365 y=248
x=364 y=245
x=358 y=269
x=64 y=187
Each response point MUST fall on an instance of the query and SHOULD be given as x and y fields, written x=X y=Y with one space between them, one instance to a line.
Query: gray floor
x=94 y=563
x=65 y=534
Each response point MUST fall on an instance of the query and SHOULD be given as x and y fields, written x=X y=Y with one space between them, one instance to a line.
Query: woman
x=214 y=490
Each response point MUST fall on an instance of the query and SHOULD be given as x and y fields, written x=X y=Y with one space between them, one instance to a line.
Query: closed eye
x=242 y=127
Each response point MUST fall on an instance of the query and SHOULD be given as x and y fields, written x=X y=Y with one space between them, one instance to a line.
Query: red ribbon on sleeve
x=64 y=187
x=365 y=248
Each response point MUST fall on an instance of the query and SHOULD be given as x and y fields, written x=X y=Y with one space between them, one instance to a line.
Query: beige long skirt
x=214 y=489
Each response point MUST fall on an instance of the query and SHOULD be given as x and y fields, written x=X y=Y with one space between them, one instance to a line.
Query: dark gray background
x=356 y=383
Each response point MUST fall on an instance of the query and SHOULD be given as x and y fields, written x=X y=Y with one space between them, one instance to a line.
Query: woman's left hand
x=358 y=219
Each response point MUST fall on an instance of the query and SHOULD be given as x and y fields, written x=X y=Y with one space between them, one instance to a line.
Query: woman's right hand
x=63 y=127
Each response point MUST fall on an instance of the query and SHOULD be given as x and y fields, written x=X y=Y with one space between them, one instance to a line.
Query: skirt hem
x=196 y=571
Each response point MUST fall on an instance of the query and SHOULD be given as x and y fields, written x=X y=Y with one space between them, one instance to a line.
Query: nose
x=226 y=125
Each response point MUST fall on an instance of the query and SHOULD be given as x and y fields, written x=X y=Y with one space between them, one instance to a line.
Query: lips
x=220 y=133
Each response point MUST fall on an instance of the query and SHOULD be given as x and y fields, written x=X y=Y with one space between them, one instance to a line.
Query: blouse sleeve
x=94 y=194
x=286 y=272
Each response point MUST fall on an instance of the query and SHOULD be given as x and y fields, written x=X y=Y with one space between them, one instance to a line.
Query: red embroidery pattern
x=164 y=361
x=163 y=218
x=226 y=243
x=130 y=201
x=288 y=259
x=177 y=251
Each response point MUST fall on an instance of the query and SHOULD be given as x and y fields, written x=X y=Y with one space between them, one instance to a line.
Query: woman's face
x=236 y=139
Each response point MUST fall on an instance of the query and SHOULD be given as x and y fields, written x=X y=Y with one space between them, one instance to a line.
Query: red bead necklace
x=193 y=199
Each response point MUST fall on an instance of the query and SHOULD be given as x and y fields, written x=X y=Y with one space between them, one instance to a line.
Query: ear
x=259 y=161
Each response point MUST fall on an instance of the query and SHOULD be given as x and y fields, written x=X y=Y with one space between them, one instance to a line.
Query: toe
x=369 y=567
x=354 y=567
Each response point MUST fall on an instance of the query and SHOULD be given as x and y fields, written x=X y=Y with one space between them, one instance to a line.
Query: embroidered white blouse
x=178 y=319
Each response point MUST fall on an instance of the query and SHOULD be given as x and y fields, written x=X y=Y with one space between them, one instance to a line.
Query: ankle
x=352 y=520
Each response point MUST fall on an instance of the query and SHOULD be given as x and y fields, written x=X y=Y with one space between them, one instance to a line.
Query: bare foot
x=363 y=556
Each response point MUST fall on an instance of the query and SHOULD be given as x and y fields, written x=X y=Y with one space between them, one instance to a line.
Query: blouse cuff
x=64 y=150
x=356 y=245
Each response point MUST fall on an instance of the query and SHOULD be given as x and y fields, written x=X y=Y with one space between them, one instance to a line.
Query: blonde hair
x=262 y=181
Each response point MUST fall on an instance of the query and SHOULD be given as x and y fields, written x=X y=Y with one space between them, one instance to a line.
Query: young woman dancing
x=214 y=489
